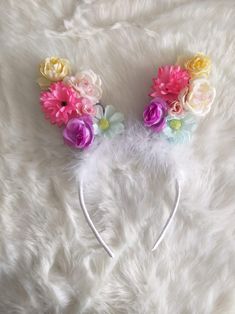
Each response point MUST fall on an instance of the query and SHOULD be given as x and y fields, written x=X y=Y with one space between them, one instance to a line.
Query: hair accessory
x=181 y=94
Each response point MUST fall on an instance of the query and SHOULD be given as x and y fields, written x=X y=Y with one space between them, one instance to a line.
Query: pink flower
x=60 y=103
x=176 y=108
x=86 y=107
x=170 y=80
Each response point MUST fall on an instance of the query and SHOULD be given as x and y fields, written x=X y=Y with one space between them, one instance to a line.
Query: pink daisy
x=60 y=103
x=170 y=80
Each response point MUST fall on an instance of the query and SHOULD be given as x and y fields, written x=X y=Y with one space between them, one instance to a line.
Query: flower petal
x=96 y=128
x=99 y=112
x=109 y=111
x=116 y=128
x=43 y=82
x=117 y=117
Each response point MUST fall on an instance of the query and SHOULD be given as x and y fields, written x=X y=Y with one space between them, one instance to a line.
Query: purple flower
x=155 y=114
x=79 y=132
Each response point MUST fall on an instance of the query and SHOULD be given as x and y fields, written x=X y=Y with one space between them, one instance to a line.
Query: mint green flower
x=108 y=122
x=179 y=129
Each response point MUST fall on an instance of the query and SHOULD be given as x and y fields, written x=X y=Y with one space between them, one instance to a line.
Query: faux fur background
x=50 y=261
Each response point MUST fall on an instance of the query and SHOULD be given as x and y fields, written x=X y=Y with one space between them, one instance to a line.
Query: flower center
x=103 y=124
x=63 y=103
x=175 y=124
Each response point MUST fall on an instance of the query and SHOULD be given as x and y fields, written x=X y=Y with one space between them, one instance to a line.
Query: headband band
x=98 y=236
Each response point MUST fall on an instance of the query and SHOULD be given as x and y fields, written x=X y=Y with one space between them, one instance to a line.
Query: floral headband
x=181 y=94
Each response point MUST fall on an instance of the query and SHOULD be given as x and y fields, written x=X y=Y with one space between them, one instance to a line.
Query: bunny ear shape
x=99 y=238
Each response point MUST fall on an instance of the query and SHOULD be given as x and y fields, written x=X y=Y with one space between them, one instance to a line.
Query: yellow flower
x=53 y=69
x=199 y=65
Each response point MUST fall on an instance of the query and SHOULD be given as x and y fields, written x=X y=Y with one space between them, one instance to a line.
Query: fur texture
x=50 y=261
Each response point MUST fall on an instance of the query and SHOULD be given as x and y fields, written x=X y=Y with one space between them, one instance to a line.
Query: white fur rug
x=50 y=261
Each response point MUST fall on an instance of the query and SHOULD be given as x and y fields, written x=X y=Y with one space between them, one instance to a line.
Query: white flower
x=87 y=84
x=199 y=97
x=109 y=122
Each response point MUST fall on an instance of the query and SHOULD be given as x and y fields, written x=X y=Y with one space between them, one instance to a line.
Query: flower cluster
x=180 y=94
x=73 y=101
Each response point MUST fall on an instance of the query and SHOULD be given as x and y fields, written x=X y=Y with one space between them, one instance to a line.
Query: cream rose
x=199 y=97
x=87 y=84
x=53 y=69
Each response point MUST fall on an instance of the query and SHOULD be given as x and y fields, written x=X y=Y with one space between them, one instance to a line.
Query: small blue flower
x=108 y=122
x=179 y=129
